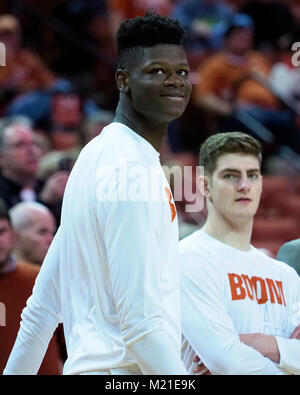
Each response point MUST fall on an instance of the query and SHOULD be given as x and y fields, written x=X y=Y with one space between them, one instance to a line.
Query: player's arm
x=284 y=351
x=209 y=329
x=265 y=344
x=40 y=318
x=289 y=349
x=131 y=240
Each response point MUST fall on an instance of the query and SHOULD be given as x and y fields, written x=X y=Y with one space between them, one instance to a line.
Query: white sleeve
x=135 y=265
x=209 y=329
x=289 y=350
x=40 y=318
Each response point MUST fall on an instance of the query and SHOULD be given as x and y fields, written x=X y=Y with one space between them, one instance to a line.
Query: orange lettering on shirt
x=256 y=288
x=249 y=286
x=263 y=291
x=278 y=292
x=236 y=285
x=171 y=204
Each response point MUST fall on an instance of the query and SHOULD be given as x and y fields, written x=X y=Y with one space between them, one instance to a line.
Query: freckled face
x=159 y=84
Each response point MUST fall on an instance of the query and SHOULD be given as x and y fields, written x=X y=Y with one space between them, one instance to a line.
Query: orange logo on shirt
x=171 y=204
x=256 y=288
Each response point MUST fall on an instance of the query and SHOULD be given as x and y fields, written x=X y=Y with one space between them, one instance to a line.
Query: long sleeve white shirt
x=226 y=292
x=111 y=274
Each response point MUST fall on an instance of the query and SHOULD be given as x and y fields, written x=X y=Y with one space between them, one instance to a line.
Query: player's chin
x=245 y=212
x=174 y=113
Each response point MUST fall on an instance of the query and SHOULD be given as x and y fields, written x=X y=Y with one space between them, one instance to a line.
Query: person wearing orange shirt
x=27 y=84
x=233 y=85
x=24 y=71
x=35 y=226
x=16 y=282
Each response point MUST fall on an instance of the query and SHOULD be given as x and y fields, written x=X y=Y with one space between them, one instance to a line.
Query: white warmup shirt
x=111 y=274
x=227 y=292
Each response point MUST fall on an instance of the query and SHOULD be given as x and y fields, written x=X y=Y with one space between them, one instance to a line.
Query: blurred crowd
x=58 y=91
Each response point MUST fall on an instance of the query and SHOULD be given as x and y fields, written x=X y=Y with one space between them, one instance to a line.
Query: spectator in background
x=201 y=19
x=24 y=70
x=29 y=88
x=25 y=80
x=34 y=225
x=19 y=161
x=233 y=85
x=16 y=282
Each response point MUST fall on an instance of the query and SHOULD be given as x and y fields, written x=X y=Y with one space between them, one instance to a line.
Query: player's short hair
x=227 y=143
x=4 y=213
x=144 y=32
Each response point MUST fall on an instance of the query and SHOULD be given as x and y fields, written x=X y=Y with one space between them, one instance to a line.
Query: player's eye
x=183 y=72
x=230 y=176
x=157 y=71
x=253 y=176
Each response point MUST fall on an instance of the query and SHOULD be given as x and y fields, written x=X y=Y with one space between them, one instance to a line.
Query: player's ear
x=122 y=80
x=203 y=185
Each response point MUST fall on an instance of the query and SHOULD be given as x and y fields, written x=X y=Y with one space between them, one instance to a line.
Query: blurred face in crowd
x=34 y=239
x=20 y=154
x=7 y=240
x=240 y=40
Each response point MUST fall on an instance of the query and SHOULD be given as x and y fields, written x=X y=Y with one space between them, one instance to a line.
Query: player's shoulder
x=198 y=242
x=191 y=243
x=118 y=144
x=197 y=258
x=113 y=136
x=277 y=264
x=196 y=249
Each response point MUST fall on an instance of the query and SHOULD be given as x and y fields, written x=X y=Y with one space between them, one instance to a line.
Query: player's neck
x=148 y=129
x=237 y=235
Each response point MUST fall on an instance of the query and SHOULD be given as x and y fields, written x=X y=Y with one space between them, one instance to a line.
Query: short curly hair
x=227 y=143
x=147 y=31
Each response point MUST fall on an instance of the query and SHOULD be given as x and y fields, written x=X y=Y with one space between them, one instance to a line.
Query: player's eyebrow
x=230 y=170
x=163 y=63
